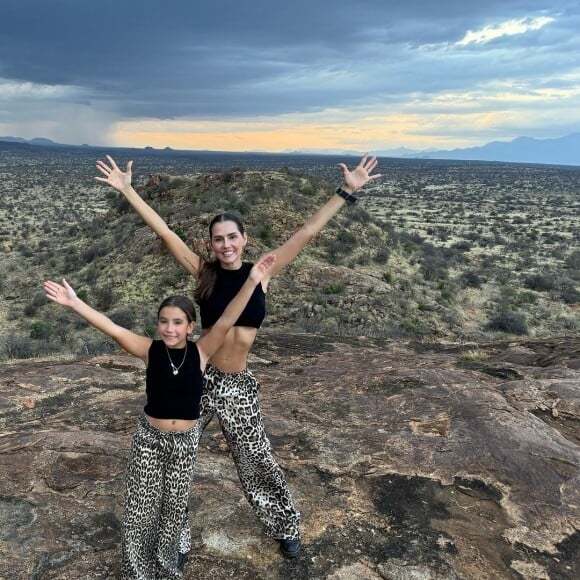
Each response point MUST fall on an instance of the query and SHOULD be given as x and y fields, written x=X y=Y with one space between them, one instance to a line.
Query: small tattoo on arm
x=186 y=259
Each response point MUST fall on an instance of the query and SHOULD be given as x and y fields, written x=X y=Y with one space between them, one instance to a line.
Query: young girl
x=160 y=467
x=230 y=390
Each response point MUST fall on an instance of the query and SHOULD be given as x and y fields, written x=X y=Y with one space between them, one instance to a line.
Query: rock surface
x=407 y=461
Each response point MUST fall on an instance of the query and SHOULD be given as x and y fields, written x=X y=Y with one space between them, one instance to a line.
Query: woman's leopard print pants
x=234 y=398
x=159 y=475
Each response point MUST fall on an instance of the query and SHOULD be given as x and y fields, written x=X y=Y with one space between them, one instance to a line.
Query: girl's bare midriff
x=172 y=424
x=232 y=357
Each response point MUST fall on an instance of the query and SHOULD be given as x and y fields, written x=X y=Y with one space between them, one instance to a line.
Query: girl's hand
x=114 y=177
x=261 y=268
x=60 y=293
x=360 y=175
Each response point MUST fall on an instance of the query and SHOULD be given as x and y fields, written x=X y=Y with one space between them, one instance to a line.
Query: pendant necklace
x=173 y=367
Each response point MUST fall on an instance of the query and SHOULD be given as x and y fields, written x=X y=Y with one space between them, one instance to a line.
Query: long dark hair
x=181 y=302
x=208 y=272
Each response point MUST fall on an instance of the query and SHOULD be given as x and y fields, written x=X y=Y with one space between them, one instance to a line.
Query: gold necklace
x=173 y=367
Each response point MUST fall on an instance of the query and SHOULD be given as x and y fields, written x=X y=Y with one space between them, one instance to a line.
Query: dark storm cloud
x=72 y=69
x=180 y=58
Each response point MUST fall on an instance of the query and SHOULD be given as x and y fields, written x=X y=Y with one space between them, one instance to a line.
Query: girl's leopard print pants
x=159 y=475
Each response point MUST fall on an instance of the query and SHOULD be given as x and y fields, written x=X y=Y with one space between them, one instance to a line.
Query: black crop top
x=227 y=285
x=172 y=396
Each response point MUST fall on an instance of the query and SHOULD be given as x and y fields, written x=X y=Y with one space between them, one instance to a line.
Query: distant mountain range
x=561 y=151
x=35 y=141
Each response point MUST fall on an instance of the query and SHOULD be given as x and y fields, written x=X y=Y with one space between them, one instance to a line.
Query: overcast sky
x=269 y=75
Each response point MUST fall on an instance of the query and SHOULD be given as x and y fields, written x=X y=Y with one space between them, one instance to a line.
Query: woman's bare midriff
x=232 y=357
x=171 y=424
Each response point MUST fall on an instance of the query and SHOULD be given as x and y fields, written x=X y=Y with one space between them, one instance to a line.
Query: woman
x=230 y=389
x=164 y=447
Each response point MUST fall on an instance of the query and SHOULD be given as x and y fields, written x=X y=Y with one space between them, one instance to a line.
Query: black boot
x=290 y=548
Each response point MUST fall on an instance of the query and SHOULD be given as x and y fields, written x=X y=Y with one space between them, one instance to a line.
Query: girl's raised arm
x=121 y=181
x=353 y=181
x=63 y=294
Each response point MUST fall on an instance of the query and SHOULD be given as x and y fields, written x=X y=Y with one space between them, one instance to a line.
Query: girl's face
x=173 y=326
x=228 y=244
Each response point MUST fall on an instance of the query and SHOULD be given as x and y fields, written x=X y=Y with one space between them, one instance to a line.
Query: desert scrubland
x=434 y=251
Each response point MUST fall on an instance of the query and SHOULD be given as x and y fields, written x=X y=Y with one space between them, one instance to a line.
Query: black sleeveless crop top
x=227 y=285
x=172 y=396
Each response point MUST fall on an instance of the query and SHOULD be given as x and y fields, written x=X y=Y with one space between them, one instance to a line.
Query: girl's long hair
x=181 y=302
x=208 y=271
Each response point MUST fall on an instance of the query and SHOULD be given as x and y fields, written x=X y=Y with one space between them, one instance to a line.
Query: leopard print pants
x=234 y=398
x=159 y=475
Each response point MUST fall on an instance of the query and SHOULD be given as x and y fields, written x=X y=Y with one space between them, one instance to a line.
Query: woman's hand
x=114 y=177
x=261 y=268
x=61 y=293
x=360 y=175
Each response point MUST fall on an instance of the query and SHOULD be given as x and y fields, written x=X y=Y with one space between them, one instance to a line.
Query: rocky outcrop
x=406 y=461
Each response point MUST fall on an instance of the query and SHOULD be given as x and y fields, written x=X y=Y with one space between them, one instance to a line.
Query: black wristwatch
x=350 y=198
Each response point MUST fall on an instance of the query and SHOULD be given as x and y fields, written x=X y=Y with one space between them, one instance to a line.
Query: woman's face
x=227 y=243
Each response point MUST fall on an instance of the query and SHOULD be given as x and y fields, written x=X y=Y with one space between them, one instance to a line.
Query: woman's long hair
x=208 y=271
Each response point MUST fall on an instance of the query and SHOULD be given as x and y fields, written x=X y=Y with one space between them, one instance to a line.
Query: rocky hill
x=414 y=385
x=406 y=460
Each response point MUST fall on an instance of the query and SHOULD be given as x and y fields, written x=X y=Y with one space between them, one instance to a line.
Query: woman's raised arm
x=353 y=181
x=121 y=181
